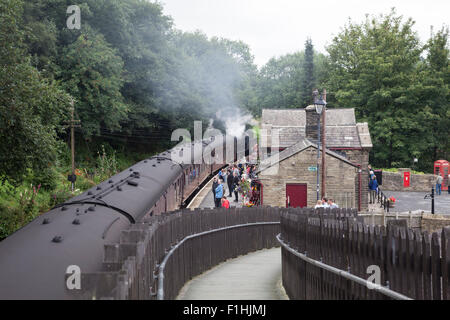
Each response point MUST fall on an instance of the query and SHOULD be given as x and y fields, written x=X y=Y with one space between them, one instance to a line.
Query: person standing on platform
x=214 y=186
x=332 y=204
x=319 y=204
x=373 y=186
x=225 y=203
x=235 y=170
x=219 y=194
x=439 y=184
x=230 y=182
x=235 y=186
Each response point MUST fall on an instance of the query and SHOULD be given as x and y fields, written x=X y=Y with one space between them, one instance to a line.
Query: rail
x=401 y=259
x=160 y=294
x=382 y=200
x=344 y=274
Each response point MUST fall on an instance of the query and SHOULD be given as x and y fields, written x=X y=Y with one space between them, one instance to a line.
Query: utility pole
x=324 y=152
x=73 y=124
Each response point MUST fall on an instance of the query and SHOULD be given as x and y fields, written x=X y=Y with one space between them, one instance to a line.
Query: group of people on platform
x=326 y=203
x=233 y=175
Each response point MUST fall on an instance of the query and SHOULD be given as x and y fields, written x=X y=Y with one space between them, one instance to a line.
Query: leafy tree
x=434 y=94
x=91 y=72
x=31 y=107
x=287 y=82
x=308 y=73
x=374 y=67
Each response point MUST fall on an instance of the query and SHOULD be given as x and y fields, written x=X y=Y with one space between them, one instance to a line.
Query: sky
x=277 y=27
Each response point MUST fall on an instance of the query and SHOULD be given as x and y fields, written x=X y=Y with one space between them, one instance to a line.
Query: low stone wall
x=415 y=220
x=393 y=181
x=434 y=222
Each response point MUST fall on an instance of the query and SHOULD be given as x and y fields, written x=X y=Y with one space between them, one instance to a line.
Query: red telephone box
x=406 y=179
x=442 y=167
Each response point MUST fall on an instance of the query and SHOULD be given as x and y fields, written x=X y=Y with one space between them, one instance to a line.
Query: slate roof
x=341 y=130
x=294 y=149
x=284 y=117
x=364 y=134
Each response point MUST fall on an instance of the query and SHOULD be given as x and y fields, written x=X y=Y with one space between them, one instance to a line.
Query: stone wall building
x=291 y=172
x=282 y=129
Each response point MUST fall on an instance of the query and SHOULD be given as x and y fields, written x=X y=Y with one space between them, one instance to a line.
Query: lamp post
x=320 y=105
x=415 y=160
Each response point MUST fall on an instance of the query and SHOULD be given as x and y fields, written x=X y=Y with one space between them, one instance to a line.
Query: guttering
x=347 y=148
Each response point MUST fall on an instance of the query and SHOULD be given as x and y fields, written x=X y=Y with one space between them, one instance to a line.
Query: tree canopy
x=378 y=67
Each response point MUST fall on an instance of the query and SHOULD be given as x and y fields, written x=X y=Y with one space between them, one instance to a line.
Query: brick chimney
x=312 y=118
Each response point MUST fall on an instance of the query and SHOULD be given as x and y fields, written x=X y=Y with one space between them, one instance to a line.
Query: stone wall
x=393 y=181
x=361 y=157
x=413 y=220
x=422 y=221
x=340 y=179
x=434 y=222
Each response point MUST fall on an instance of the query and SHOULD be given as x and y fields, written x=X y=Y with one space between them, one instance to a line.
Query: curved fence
x=154 y=259
x=330 y=255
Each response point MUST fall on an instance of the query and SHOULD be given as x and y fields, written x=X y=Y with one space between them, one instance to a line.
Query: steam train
x=34 y=259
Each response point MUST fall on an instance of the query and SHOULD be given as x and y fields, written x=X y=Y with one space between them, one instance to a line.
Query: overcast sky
x=276 y=27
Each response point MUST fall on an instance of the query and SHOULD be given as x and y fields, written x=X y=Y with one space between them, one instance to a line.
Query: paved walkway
x=412 y=201
x=255 y=276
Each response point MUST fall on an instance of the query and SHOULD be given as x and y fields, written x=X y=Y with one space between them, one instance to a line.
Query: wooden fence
x=185 y=243
x=412 y=264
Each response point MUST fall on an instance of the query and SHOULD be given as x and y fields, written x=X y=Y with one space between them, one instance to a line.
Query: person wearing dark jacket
x=214 y=186
x=235 y=186
x=230 y=182
x=373 y=186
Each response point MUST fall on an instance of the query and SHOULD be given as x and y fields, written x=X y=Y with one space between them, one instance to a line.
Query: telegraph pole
x=73 y=123
x=324 y=97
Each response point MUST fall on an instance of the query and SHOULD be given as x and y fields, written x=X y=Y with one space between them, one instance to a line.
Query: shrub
x=11 y=219
x=106 y=165
x=6 y=188
x=47 y=178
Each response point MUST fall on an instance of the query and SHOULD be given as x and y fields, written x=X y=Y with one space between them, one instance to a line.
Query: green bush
x=13 y=218
x=10 y=220
x=6 y=189
x=46 y=178
x=83 y=183
x=107 y=165
x=396 y=170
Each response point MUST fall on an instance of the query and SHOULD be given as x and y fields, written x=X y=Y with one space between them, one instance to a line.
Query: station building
x=288 y=168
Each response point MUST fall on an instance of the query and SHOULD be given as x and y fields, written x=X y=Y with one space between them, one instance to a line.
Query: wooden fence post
x=436 y=266
x=445 y=241
x=426 y=266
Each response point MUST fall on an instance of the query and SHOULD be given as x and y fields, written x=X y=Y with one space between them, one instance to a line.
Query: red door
x=296 y=195
x=406 y=178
